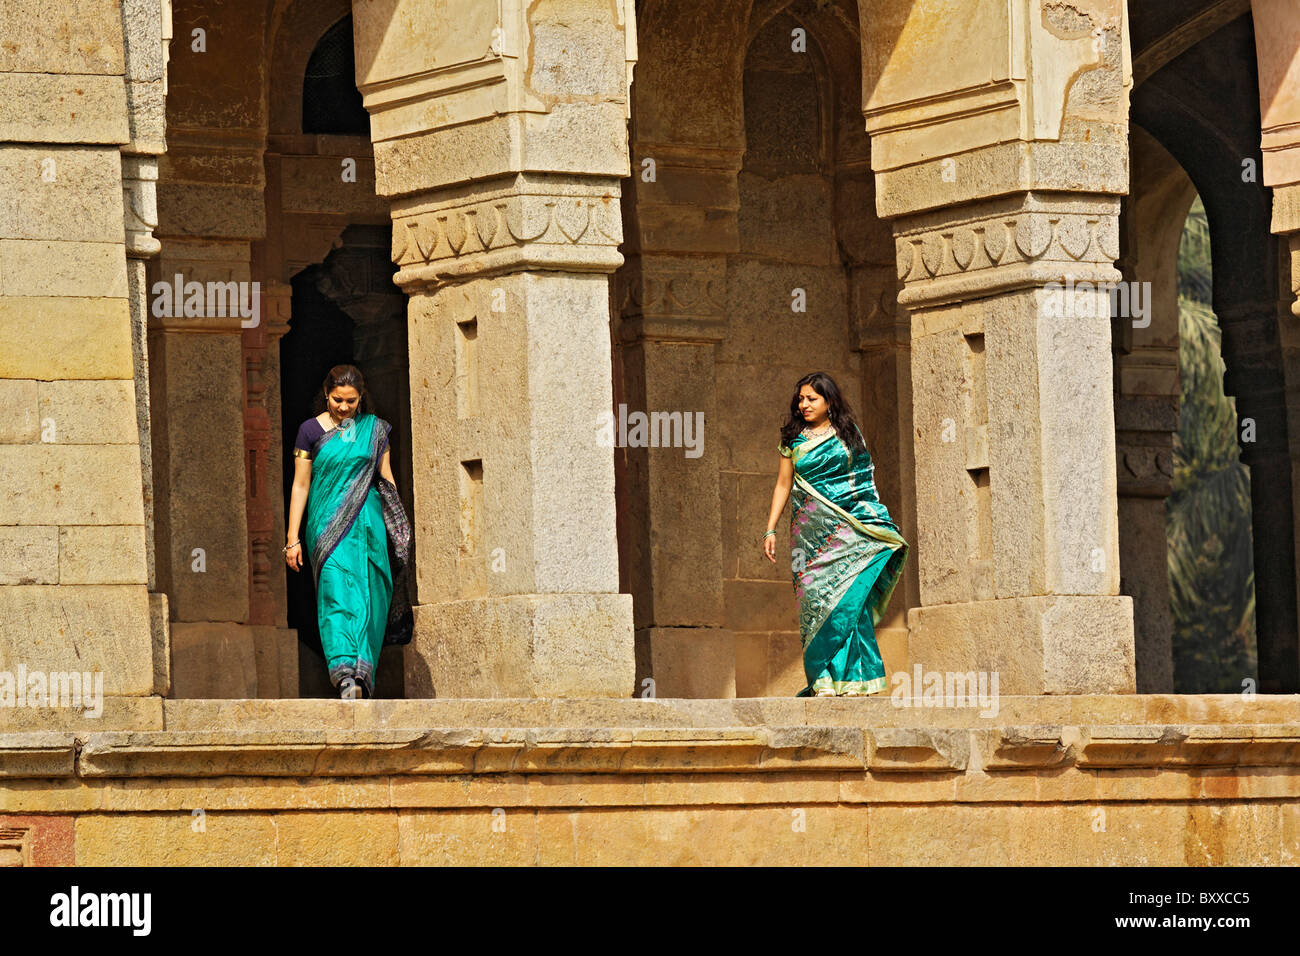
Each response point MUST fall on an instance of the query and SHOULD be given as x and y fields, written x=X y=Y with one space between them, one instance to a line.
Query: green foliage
x=1211 y=566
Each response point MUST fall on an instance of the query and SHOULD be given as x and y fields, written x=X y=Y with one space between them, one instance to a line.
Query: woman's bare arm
x=386 y=469
x=297 y=505
x=780 y=495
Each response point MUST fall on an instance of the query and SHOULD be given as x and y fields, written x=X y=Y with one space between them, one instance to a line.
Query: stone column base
x=895 y=647
x=523 y=645
x=1050 y=644
x=691 y=662
x=233 y=661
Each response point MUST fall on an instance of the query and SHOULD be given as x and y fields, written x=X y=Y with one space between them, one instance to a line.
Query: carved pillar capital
x=549 y=222
x=1011 y=242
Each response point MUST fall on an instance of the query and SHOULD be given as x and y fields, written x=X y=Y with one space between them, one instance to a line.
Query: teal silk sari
x=847 y=556
x=357 y=536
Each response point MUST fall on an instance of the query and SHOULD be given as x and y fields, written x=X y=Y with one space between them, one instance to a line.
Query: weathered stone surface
x=199 y=472
x=275 y=650
x=20 y=423
x=79 y=628
x=88 y=413
x=29 y=555
x=686 y=662
x=51 y=337
x=1069 y=644
x=85 y=38
x=189 y=836
x=341 y=838
x=43 y=108
x=62 y=193
x=213 y=660
x=107 y=554
x=44 y=755
x=45 y=267
x=71 y=485
x=523 y=645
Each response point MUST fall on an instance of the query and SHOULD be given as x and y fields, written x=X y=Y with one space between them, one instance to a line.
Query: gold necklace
x=818 y=434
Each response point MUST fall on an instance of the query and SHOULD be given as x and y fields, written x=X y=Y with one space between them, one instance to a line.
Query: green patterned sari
x=847 y=556
x=359 y=541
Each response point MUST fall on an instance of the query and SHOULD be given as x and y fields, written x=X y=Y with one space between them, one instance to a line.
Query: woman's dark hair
x=341 y=376
x=841 y=415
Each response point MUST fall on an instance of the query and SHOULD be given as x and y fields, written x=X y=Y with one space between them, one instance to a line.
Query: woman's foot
x=824 y=692
x=349 y=689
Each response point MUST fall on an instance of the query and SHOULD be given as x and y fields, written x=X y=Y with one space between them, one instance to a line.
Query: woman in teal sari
x=847 y=555
x=357 y=536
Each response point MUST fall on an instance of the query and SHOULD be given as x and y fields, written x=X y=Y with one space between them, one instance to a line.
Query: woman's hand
x=293 y=556
x=769 y=547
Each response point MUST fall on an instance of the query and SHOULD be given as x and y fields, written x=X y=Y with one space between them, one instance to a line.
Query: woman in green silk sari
x=357 y=536
x=847 y=555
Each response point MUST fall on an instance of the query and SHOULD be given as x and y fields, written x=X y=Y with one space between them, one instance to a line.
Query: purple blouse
x=310 y=432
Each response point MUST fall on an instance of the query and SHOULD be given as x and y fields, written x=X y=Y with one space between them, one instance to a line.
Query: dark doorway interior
x=345 y=310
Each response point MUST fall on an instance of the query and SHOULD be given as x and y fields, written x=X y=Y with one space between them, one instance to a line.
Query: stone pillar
x=980 y=167
x=1277 y=44
x=1147 y=393
x=501 y=144
x=147 y=31
x=73 y=565
x=211 y=208
x=883 y=339
x=671 y=316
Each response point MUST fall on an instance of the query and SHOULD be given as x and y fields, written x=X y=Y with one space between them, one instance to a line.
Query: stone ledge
x=44 y=755
x=380 y=752
x=1188 y=745
x=877 y=712
x=306 y=753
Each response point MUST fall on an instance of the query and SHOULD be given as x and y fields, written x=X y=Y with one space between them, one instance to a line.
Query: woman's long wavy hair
x=841 y=415
x=341 y=376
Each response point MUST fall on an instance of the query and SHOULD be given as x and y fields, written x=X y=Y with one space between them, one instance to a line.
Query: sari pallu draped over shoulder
x=346 y=497
x=847 y=556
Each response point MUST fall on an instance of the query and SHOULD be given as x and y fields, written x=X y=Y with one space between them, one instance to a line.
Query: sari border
x=808 y=444
x=880 y=534
x=354 y=498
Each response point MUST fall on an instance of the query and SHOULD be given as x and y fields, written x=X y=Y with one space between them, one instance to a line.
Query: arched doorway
x=345 y=310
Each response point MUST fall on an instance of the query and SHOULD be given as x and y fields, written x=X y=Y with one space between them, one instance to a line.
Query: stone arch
x=321 y=208
x=296 y=29
x=699 y=322
x=1147 y=393
x=1203 y=107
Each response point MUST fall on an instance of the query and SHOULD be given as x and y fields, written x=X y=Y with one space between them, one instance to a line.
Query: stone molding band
x=1015 y=242
x=538 y=222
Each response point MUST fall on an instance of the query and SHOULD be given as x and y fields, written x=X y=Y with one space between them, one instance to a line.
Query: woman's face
x=343 y=401
x=811 y=405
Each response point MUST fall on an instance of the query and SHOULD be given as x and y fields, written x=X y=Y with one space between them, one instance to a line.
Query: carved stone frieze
x=1143 y=471
x=669 y=299
x=1007 y=243
x=567 y=223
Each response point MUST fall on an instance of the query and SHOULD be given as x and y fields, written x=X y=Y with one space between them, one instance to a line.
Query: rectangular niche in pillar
x=471 y=568
x=977 y=466
x=467 y=402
